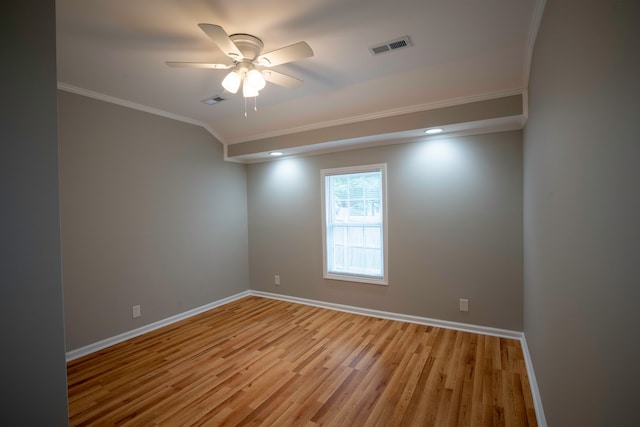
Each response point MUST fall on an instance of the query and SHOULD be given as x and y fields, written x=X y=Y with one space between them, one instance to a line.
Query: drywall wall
x=33 y=389
x=582 y=213
x=151 y=216
x=455 y=229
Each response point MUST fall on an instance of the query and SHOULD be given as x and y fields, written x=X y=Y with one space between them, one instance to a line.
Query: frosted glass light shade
x=256 y=80
x=232 y=82
x=248 y=91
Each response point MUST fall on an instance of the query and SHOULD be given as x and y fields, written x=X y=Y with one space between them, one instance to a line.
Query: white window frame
x=376 y=280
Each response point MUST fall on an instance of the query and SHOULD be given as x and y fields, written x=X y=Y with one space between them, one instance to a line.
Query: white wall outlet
x=136 y=311
x=464 y=304
x=276 y=280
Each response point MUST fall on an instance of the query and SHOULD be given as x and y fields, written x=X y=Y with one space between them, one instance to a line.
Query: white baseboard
x=91 y=348
x=465 y=327
x=476 y=329
x=535 y=391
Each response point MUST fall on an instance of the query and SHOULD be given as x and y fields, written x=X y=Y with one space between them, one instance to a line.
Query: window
x=354 y=221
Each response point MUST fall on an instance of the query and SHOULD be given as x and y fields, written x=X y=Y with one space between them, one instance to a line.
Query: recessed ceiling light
x=432 y=131
x=275 y=153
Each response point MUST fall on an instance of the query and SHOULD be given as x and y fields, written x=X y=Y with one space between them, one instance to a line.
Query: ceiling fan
x=249 y=66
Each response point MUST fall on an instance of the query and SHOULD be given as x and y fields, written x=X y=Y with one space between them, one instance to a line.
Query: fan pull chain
x=255 y=105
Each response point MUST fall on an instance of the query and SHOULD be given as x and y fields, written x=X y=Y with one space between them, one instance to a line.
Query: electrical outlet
x=136 y=311
x=276 y=280
x=464 y=304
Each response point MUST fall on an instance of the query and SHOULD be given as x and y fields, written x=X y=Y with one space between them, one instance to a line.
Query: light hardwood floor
x=258 y=361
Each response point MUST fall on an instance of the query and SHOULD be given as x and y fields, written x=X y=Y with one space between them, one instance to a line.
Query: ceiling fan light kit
x=247 y=63
x=256 y=79
x=232 y=81
x=249 y=91
x=252 y=80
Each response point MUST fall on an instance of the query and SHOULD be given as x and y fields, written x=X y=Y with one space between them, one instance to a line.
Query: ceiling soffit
x=503 y=113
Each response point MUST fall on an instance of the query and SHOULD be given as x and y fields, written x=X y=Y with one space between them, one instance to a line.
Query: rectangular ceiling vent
x=213 y=100
x=391 y=45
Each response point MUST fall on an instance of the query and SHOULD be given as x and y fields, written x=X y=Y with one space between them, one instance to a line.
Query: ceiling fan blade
x=286 y=54
x=221 y=38
x=199 y=65
x=281 y=79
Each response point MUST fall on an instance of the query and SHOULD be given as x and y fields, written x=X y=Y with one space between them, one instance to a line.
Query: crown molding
x=531 y=39
x=135 y=106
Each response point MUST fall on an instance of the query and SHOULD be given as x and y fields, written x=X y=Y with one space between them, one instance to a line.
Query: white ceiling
x=462 y=50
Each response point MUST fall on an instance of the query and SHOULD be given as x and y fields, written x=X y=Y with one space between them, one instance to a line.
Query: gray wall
x=151 y=215
x=582 y=213
x=33 y=388
x=455 y=229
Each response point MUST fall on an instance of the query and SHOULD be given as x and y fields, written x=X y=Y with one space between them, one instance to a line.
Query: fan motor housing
x=249 y=45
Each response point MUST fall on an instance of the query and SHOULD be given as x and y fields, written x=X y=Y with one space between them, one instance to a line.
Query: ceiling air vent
x=213 y=100
x=391 y=45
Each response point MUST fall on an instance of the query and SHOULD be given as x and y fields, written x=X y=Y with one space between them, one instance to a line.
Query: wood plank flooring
x=258 y=361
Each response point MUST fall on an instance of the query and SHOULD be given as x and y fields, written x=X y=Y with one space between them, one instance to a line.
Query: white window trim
x=380 y=167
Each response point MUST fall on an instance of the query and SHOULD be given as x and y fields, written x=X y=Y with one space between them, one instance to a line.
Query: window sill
x=358 y=279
